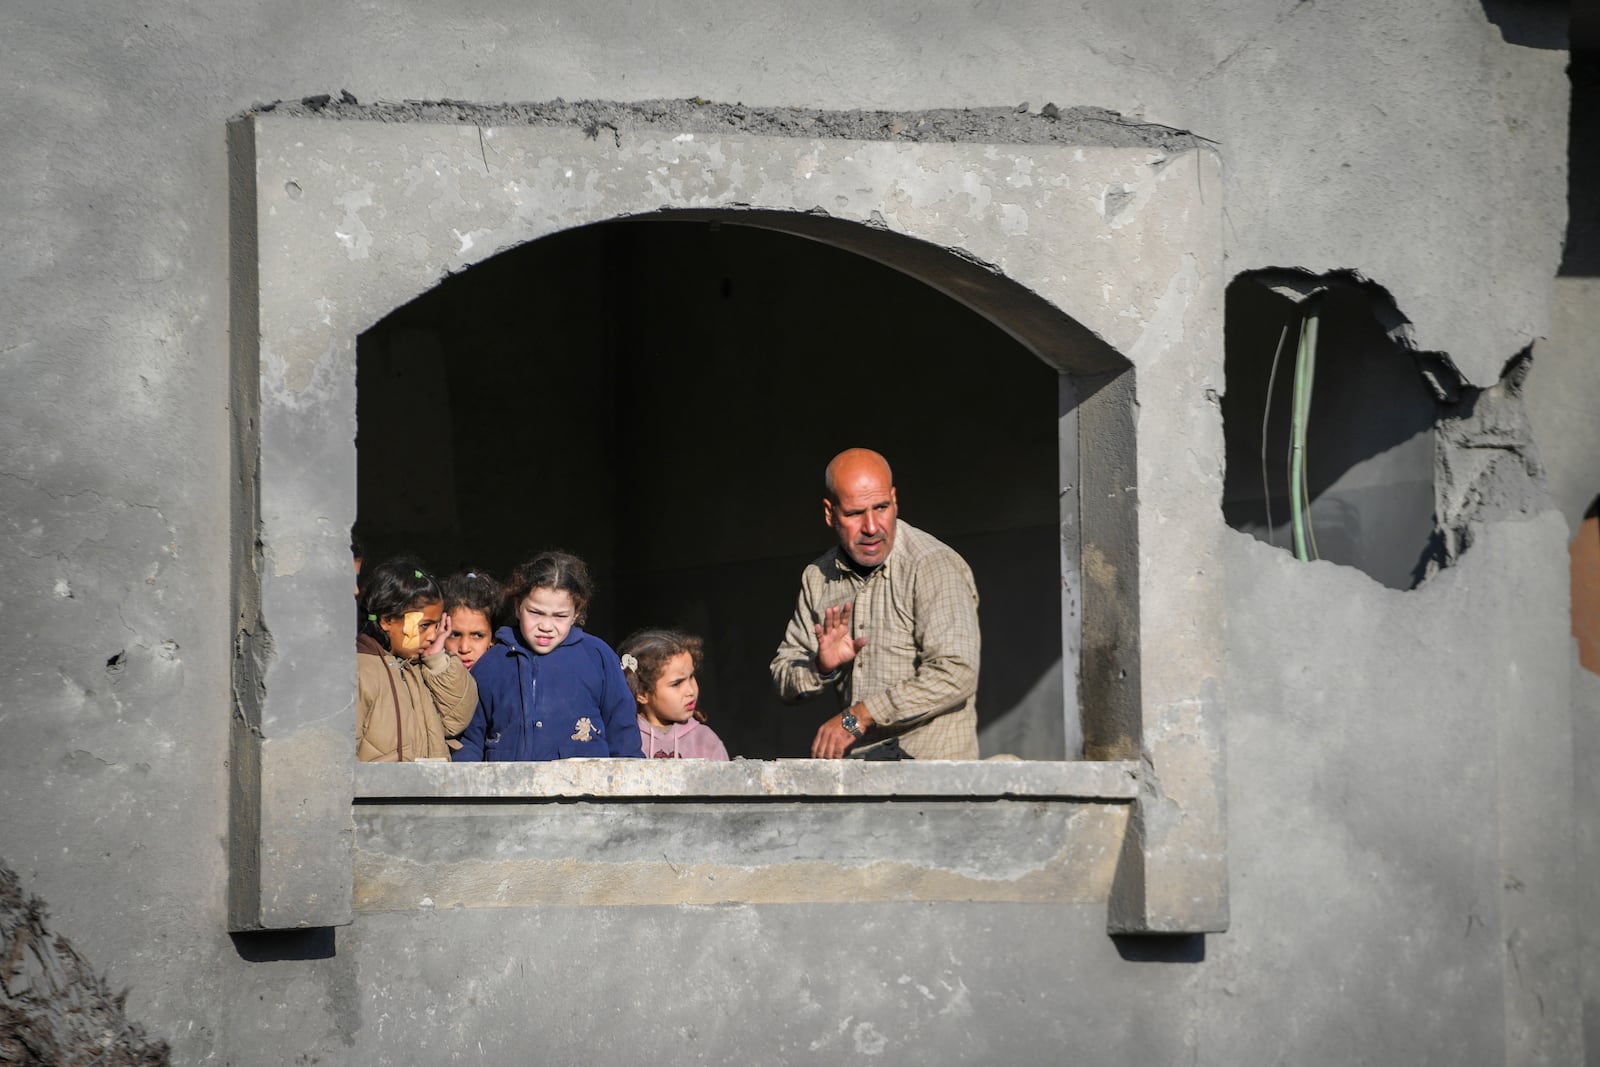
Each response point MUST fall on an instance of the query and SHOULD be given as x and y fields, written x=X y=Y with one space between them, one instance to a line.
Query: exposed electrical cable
x=1266 y=414
x=1305 y=367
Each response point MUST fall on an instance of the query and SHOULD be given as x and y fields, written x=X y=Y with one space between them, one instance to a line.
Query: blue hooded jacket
x=571 y=701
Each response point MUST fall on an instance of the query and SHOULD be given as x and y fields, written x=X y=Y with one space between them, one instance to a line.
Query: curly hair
x=558 y=570
x=654 y=649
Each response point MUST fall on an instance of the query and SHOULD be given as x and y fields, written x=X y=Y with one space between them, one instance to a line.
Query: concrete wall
x=1399 y=772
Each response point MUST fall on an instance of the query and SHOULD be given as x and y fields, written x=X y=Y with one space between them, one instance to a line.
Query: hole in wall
x=661 y=397
x=1367 y=454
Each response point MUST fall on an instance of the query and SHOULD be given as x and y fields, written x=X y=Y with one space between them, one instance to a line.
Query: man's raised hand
x=835 y=646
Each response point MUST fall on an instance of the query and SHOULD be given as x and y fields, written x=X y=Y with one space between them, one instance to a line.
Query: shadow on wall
x=661 y=397
x=1581 y=254
x=1369 y=449
x=1585 y=555
x=1165 y=948
x=274 y=946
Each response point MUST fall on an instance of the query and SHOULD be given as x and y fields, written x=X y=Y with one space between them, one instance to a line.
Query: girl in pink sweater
x=659 y=666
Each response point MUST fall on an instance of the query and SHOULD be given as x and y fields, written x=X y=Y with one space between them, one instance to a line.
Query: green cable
x=1305 y=368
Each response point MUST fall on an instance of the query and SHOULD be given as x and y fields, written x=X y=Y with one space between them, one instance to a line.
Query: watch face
x=851 y=724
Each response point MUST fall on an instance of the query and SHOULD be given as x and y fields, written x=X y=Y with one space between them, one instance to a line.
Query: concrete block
x=520 y=854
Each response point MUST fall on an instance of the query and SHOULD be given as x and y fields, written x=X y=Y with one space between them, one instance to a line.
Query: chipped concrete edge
x=622 y=779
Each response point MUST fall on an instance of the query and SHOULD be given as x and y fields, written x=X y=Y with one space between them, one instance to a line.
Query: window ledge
x=618 y=779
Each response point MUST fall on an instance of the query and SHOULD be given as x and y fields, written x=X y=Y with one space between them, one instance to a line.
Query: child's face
x=675 y=694
x=545 y=616
x=470 y=635
x=413 y=629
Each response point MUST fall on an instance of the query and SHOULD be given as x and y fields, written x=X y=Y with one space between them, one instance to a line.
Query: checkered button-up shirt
x=918 y=672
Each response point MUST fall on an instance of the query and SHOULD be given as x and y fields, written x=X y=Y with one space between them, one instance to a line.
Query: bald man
x=888 y=620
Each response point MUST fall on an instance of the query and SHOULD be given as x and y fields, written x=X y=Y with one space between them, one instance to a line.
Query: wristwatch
x=851 y=724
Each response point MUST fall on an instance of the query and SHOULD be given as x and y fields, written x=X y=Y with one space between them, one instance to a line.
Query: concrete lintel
x=608 y=779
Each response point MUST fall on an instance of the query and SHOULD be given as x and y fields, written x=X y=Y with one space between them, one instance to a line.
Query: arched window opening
x=661 y=396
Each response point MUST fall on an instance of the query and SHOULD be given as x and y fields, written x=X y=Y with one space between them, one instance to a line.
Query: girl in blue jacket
x=546 y=689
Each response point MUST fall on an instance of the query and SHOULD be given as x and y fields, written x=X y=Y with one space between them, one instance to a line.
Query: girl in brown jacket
x=411 y=694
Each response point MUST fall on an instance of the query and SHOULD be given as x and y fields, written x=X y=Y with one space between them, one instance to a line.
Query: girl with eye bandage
x=412 y=696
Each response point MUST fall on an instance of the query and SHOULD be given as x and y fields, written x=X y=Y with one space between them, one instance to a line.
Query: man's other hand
x=833 y=740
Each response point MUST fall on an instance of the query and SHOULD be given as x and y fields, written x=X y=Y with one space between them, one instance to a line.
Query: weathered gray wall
x=1399 y=773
